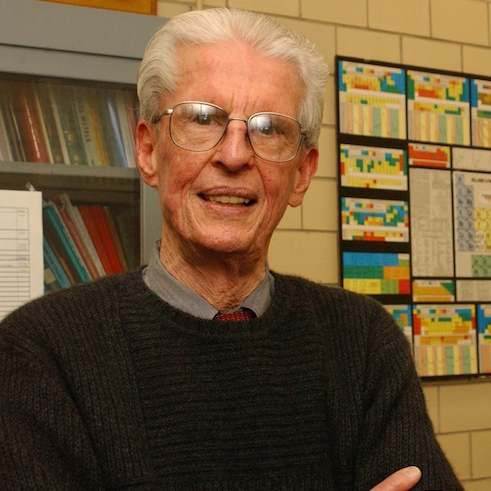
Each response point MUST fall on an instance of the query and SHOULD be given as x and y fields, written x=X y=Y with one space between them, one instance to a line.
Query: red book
x=105 y=234
x=96 y=238
x=30 y=125
x=115 y=236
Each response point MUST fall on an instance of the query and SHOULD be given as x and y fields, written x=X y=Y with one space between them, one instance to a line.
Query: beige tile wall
x=441 y=34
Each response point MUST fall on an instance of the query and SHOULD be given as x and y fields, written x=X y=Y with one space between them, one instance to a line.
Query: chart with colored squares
x=414 y=180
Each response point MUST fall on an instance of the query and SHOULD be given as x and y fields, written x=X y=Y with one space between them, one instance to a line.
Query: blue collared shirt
x=175 y=293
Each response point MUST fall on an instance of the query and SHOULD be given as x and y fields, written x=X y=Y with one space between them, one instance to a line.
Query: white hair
x=157 y=76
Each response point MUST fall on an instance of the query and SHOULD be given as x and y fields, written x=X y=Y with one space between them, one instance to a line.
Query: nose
x=234 y=150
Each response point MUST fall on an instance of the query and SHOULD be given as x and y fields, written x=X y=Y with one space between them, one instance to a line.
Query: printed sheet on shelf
x=21 y=249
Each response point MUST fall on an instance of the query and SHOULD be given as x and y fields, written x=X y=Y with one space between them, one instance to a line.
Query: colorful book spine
x=57 y=122
x=52 y=130
x=84 y=124
x=64 y=102
x=72 y=253
x=115 y=236
x=104 y=119
x=55 y=243
x=81 y=231
x=107 y=240
x=29 y=123
x=10 y=120
x=96 y=125
x=116 y=130
x=126 y=219
x=5 y=152
x=96 y=238
x=125 y=123
x=77 y=241
x=55 y=266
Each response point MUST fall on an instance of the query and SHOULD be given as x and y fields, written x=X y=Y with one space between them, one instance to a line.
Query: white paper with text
x=21 y=249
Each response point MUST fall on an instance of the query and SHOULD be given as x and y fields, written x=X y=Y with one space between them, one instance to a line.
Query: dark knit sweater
x=105 y=386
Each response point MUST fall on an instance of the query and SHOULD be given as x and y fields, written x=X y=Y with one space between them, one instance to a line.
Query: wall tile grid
x=441 y=34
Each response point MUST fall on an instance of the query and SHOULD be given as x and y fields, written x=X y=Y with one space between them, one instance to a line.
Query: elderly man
x=205 y=370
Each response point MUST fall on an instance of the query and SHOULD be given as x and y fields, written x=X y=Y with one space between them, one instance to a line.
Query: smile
x=228 y=200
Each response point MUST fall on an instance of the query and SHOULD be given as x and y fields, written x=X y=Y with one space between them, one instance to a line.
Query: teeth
x=234 y=200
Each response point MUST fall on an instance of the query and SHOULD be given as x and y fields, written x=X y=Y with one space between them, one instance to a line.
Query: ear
x=306 y=168
x=146 y=152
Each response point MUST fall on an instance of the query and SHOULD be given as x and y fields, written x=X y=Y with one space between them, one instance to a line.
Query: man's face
x=199 y=190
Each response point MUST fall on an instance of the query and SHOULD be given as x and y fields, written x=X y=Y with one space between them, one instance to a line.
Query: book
x=115 y=236
x=58 y=250
x=96 y=126
x=63 y=101
x=126 y=218
x=5 y=152
x=99 y=101
x=57 y=123
x=10 y=121
x=81 y=230
x=125 y=123
x=96 y=238
x=29 y=123
x=131 y=113
x=44 y=129
x=99 y=218
x=84 y=123
x=55 y=268
x=77 y=241
x=116 y=135
x=51 y=128
x=50 y=282
x=53 y=216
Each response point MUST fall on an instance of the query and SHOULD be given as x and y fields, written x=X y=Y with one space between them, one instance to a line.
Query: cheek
x=278 y=184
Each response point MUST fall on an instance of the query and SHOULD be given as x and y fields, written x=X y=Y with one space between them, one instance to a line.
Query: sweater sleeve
x=43 y=442
x=69 y=411
x=396 y=431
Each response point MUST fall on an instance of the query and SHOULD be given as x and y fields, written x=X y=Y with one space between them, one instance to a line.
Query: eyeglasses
x=199 y=126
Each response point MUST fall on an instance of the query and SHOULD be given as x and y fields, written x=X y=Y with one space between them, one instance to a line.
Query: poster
x=371 y=100
x=472 y=216
x=431 y=222
x=415 y=206
x=438 y=108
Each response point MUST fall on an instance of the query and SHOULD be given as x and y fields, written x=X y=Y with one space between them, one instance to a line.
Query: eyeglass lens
x=198 y=127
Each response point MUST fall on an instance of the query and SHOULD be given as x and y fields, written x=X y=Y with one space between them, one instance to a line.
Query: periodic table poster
x=414 y=154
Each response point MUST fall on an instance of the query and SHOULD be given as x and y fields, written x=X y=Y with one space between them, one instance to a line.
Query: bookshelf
x=50 y=43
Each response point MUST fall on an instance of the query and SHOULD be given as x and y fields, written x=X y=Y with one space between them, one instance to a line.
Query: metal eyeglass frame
x=169 y=112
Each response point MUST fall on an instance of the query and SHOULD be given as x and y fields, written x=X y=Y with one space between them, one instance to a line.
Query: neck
x=224 y=280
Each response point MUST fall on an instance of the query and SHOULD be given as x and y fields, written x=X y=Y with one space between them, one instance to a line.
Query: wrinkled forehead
x=213 y=73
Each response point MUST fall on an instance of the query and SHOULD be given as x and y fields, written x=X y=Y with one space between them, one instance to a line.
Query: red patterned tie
x=240 y=315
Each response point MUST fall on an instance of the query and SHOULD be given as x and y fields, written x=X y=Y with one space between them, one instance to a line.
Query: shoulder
x=321 y=295
x=339 y=313
x=73 y=313
x=100 y=290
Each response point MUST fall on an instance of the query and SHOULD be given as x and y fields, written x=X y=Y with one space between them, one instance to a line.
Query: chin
x=228 y=244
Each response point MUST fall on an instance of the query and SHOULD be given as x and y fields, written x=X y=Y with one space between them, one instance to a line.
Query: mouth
x=229 y=200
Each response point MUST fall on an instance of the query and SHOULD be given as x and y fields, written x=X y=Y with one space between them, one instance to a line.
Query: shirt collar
x=175 y=293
